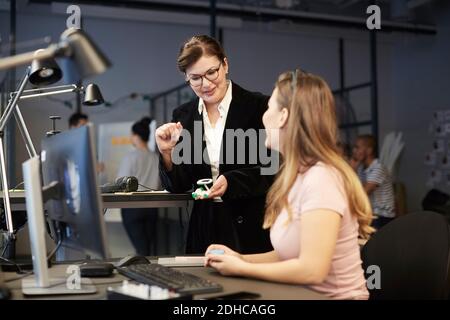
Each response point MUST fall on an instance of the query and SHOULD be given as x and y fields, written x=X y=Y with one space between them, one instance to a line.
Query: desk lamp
x=89 y=60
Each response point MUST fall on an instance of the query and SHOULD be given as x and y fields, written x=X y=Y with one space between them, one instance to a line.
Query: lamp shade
x=92 y=95
x=44 y=72
x=86 y=55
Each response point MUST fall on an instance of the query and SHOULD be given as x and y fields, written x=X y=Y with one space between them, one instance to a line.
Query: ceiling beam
x=258 y=14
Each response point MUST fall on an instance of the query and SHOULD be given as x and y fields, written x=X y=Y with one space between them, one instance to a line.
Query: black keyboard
x=165 y=277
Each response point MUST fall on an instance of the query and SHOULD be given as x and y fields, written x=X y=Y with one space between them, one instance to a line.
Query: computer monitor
x=76 y=215
x=68 y=176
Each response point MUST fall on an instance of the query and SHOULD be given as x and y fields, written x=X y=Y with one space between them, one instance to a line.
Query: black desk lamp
x=92 y=95
x=42 y=72
x=75 y=45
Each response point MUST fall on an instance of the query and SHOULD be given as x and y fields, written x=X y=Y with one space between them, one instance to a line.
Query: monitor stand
x=56 y=286
x=41 y=283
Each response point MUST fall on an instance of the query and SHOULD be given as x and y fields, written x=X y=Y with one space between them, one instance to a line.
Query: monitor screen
x=69 y=159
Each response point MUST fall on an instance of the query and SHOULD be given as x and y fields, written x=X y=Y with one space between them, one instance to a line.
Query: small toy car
x=202 y=192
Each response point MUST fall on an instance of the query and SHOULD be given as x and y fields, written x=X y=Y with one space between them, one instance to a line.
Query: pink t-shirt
x=321 y=187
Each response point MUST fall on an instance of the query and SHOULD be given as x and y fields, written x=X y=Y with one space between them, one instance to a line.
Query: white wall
x=420 y=77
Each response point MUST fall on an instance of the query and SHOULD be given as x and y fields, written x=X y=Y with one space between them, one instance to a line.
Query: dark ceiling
x=324 y=12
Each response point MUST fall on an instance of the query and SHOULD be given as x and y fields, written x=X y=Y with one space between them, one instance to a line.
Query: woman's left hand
x=219 y=187
x=227 y=265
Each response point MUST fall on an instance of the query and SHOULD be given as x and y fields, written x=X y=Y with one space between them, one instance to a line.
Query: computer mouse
x=132 y=259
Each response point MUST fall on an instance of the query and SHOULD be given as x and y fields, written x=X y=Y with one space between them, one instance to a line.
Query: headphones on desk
x=122 y=184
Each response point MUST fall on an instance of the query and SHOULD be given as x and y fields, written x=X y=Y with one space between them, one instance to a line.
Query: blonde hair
x=311 y=136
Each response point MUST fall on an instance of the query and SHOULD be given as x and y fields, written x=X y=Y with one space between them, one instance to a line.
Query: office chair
x=413 y=254
x=437 y=201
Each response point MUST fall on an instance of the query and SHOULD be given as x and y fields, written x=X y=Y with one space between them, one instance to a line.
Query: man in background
x=375 y=179
x=77 y=120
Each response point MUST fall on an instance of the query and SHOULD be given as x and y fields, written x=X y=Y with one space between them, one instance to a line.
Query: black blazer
x=244 y=201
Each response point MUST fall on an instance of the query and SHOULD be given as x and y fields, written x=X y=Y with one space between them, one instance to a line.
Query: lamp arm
x=44 y=90
x=13 y=102
x=3 y=121
x=41 y=93
x=51 y=51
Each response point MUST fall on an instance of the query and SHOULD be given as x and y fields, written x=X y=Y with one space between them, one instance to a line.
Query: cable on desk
x=4 y=249
x=18 y=278
x=23 y=276
x=53 y=252
x=19 y=270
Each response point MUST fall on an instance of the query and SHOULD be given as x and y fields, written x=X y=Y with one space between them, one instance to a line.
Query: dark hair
x=197 y=46
x=370 y=141
x=344 y=148
x=142 y=129
x=76 y=117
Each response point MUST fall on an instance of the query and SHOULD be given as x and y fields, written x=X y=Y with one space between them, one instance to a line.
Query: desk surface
x=121 y=200
x=268 y=290
x=146 y=200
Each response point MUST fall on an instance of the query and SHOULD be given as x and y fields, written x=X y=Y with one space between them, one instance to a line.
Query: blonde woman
x=316 y=208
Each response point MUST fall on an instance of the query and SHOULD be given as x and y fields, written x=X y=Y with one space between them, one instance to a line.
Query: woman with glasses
x=316 y=207
x=233 y=211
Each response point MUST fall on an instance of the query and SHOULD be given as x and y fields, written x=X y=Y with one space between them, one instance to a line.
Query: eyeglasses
x=212 y=74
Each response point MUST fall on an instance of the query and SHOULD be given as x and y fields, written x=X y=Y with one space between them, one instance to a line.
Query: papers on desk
x=182 y=261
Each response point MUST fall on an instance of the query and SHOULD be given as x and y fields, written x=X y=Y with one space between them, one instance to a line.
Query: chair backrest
x=412 y=253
